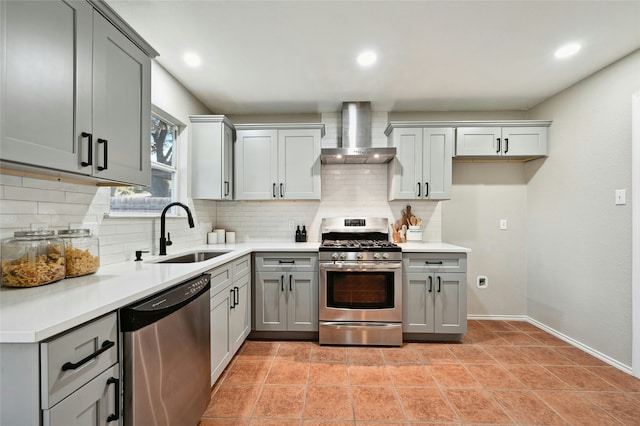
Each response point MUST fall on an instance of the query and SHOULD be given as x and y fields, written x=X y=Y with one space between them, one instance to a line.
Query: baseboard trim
x=573 y=342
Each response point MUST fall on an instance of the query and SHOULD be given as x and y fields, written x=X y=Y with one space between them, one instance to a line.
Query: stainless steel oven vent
x=356 y=139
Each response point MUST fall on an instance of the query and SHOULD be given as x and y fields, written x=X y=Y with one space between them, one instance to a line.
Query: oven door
x=360 y=291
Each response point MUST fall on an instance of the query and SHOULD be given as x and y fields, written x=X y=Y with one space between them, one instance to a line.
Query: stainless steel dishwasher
x=166 y=366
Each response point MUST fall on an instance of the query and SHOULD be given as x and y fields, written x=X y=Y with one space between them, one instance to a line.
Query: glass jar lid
x=34 y=234
x=74 y=233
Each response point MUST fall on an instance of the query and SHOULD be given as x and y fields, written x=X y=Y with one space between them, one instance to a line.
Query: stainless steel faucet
x=164 y=242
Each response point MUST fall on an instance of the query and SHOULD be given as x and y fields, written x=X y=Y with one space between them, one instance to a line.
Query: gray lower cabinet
x=286 y=286
x=69 y=380
x=230 y=311
x=76 y=92
x=434 y=293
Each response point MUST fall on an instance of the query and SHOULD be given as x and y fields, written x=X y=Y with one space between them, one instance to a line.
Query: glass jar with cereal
x=32 y=258
x=82 y=251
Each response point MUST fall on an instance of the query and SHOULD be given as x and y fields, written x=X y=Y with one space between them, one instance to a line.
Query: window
x=152 y=199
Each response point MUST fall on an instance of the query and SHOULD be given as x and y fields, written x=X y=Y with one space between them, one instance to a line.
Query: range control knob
x=334 y=256
x=385 y=255
x=343 y=256
x=358 y=255
x=376 y=255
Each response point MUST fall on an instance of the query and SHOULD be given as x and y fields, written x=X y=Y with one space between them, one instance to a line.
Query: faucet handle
x=169 y=242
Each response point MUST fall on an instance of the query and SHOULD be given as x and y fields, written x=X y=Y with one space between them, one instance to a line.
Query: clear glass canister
x=32 y=258
x=82 y=251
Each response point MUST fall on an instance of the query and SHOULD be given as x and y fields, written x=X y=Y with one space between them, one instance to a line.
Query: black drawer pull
x=232 y=301
x=104 y=160
x=106 y=345
x=439 y=284
x=290 y=262
x=433 y=263
x=236 y=297
x=116 y=415
x=430 y=284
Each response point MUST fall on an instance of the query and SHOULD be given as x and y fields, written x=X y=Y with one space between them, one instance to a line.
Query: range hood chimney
x=356 y=139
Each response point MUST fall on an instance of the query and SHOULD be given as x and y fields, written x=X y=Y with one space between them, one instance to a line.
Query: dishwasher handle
x=154 y=308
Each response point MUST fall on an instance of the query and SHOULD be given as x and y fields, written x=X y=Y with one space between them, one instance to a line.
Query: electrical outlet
x=621 y=197
x=292 y=224
x=503 y=224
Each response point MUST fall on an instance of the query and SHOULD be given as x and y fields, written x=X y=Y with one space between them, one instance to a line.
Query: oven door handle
x=358 y=266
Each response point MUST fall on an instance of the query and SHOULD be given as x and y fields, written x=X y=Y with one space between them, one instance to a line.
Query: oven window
x=357 y=290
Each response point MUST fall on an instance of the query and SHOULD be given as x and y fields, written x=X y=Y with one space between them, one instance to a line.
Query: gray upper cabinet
x=422 y=167
x=211 y=157
x=517 y=140
x=278 y=162
x=76 y=92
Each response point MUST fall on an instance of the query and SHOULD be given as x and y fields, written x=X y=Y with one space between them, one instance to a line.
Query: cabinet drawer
x=93 y=403
x=434 y=262
x=241 y=267
x=280 y=262
x=60 y=355
x=221 y=278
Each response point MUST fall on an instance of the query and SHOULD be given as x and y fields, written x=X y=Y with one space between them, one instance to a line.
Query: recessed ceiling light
x=192 y=59
x=367 y=58
x=567 y=50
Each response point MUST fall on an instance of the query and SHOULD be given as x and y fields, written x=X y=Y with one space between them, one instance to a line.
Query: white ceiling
x=299 y=56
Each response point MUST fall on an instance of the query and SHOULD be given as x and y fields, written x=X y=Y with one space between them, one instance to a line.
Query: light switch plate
x=621 y=197
x=503 y=224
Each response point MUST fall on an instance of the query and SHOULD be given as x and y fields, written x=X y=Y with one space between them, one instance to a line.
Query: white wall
x=578 y=241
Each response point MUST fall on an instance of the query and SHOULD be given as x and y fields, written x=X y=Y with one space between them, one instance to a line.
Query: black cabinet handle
x=426 y=189
x=273 y=191
x=281 y=191
x=439 y=284
x=233 y=299
x=430 y=284
x=418 y=189
x=106 y=149
x=116 y=415
x=506 y=145
x=236 y=297
x=290 y=286
x=89 y=161
x=290 y=262
x=226 y=188
x=106 y=345
x=498 y=150
x=428 y=262
x=282 y=282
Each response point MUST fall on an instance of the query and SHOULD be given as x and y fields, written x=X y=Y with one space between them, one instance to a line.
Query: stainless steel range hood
x=356 y=139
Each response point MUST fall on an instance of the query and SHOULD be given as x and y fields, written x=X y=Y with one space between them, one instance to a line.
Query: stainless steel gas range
x=360 y=283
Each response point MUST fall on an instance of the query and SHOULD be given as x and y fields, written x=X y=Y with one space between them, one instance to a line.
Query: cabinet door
x=90 y=405
x=211 y=156
x=405 y=170
x=227 y=163
x=450 y=303
x=46 y=83
x=121 y=107
x=417 y=303
x=271 y=302
x=221 y=350
x=437 y=153
x=299 y=164
x=523 y=141
x=240 y=321
x=302 y=304
x=256 y=174
x=478 y=141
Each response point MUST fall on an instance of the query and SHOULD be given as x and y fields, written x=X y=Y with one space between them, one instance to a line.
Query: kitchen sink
x=193 y=257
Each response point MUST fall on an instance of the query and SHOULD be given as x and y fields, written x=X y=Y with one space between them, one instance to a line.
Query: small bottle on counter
x=303 y=236
x=298 y=235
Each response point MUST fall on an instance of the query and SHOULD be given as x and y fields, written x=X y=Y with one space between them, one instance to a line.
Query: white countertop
x=29 y=315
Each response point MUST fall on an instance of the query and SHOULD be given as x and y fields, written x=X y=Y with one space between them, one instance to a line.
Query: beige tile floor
x=505 y=372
